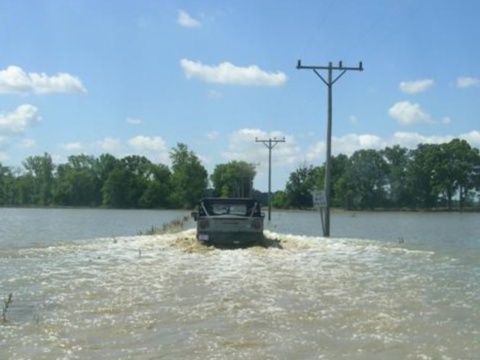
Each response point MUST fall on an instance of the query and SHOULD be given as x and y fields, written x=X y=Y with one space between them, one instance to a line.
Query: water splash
x=168 y=295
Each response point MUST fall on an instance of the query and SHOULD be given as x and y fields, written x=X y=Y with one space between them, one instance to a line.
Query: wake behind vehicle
x=229 y=222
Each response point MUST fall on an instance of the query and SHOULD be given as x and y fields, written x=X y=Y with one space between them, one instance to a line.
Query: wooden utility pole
x=329 y=82
x=270 y=144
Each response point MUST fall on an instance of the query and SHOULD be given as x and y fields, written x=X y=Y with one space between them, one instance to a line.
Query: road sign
x=319 y=199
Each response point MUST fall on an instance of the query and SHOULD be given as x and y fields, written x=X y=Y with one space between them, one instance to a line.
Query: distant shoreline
x=333 y=210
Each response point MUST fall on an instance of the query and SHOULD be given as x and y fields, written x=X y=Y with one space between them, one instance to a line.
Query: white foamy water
x=167 y=297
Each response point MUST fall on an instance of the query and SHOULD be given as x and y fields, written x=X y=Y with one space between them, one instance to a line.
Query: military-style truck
x=229 y=222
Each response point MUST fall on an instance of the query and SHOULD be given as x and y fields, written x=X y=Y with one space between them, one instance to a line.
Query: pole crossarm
x=270 y=144
x=329 y=82
x=330 y=66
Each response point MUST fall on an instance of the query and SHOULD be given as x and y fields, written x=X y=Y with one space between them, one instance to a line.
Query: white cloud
x=184 y=19
x=212 y=135
x=75 y=147
x=150 y=147
x=110 y=145
x=14 y=80
x=148 y=143
x=285 y=155
x=360 y=141
x=27 y=143
x=407 y=113
x=228 y=73
x=6 y=143
x=411 y=140
x=133 y=121
x=243 y=146
x=464 y=82
x=473 y=138
x=415 y=87
x=3 y=156
x=212 y=94
x=23 y=117
x=350 y=143
x=346 y=144
x=153 y=148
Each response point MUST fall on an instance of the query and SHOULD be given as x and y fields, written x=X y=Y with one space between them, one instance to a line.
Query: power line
x=329 y=82
x=323 y=14
x=270 y=144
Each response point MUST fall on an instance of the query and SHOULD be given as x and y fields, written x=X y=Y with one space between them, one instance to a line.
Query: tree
x=76 y=182
x=339 y=165
x=234 y=179
x=104 y=165
x=6 y=185
x=366 y=174
x=454 y=163
x=140 y=174
x=189 y=177
x=397 y=159
x=158 y=188
x=421 y=172
x=117 y=190
x=344 y=191
x=128 y=182
x=41 y=168
x=300 y=185
x=280 y=199
x=473 y=179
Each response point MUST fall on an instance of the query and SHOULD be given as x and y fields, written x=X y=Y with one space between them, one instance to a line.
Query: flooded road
x=168 y=297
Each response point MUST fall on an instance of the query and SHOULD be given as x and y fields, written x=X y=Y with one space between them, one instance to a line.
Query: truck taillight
x=256 y=224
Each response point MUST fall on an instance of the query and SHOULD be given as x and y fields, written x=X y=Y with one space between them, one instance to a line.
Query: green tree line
x=88 y=181
x=427 y=177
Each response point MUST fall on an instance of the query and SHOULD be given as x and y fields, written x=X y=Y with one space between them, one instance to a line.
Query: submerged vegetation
x=431 y=176
x=172 y=226
x=6 y=303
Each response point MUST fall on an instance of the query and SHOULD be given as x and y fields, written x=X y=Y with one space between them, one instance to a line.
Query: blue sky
x=138 y=77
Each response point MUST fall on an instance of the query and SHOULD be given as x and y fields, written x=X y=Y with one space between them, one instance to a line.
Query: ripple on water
x=146 y=296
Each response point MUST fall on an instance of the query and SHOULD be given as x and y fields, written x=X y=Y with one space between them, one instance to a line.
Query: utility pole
x=328 y=168
x=270 y=144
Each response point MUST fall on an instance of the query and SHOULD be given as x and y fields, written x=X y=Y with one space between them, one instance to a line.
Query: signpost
x=320 y=201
